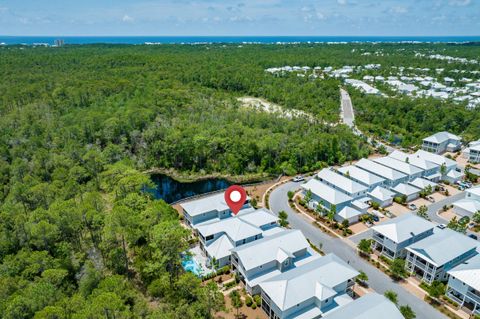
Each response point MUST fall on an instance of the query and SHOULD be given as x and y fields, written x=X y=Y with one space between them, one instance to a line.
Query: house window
x=209 y=237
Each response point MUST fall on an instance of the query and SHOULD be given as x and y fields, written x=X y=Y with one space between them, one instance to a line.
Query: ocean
x=31 y=40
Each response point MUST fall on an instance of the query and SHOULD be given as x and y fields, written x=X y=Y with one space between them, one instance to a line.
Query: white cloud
x=127 y=18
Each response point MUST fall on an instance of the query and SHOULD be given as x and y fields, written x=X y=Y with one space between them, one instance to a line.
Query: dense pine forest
x=80 y=126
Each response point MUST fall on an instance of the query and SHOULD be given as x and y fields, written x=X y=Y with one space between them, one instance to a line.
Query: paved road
x=435 y=207
x=348 y=117
x=347 y=114
x=378 y=280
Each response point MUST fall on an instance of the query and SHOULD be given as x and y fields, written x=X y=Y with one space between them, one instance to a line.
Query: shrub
x=258 y=299
x=254 y=306
x=248 y=301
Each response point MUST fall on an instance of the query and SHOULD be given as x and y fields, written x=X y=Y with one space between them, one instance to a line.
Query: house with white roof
x=207 y=208
x=464 y=284
x=308 y=291
x=391 y=176
x=472 y=152
x=382 y=196
x=422 y=183
x=369 y=306
x=441 y=142
x=466 y=207
x=362 y=176
x=410 y=170
x=326 y=196
x=431 y=258
x=349 y=213
x=449 y=171
x=429 y=168
x=270 y=256
x=392 y=237
x=342 y=183
x=218 y=237
x=406 y=190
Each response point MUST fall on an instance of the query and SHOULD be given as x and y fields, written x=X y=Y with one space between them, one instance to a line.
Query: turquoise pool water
x=191 y=266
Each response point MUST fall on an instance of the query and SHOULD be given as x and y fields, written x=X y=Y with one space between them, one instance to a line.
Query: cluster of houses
x=433 y=254
x=279 y=264
x=348 y=190
x=405 y=81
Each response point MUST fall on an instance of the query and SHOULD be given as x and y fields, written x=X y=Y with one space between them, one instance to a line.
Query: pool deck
x=201 y=260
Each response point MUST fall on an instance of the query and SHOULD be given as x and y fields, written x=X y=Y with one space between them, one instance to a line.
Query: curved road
x=380 y=282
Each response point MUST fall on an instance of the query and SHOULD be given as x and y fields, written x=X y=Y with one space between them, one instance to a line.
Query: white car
x=298 y=178
x=412 y=206
x=442 y=226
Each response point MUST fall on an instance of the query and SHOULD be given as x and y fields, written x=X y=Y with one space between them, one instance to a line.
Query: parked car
x=471 y=225
x=473 y=236
x=431 y=199
x=298 y=178
x=412 y=206
x=461 y=188
x=368 y=224
x=442 y=226
x=375 y=218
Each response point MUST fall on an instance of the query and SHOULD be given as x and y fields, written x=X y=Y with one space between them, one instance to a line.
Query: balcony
x=475 y=296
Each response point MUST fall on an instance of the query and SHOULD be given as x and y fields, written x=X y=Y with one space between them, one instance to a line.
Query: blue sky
x=240 y=17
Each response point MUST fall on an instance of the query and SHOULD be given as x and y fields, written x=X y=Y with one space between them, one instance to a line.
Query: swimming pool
x=190 y=265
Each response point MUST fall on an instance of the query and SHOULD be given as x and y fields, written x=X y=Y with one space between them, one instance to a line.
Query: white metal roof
x=405 y=189
x=435 y=158
x=205 y=204
x=314 y=279
x=267 y=249
x=349 y=212
x=220 y=248
x=403 y=227
x=360 y=175
x=443 y=246
x=340 y=181
x=259 y=217
x=467 y=204
x=400 y=166
x=413 y=160
x=441 y=137
x=380 y=170
x=422 y=183
x=326 y=192
x=381 y=193
x=369 y=306
x=474 y=190
x=468 y=272
x=235 y=228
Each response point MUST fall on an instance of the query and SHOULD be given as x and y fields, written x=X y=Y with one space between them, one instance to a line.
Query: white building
x=391 y=238
x=431 y=258
x=391 y=176
x=310 y=290
x=472 y=152
x=207 y=208
x=326 y=196
x=217 y=238
x=349 y=213
x=369 y=306
x=466 y=207
x=450 y=170
x=422 y=183
x=270 y=256
x=410 y=170
x=430 y=169
x=464 y=284
x=441 y=142
x=382 y=196
x=342 y=183
x=362 y=176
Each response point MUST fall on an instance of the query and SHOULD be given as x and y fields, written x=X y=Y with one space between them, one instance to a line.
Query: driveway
x=378 y=280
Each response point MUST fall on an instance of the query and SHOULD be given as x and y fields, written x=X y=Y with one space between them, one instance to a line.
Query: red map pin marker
x=235 y=197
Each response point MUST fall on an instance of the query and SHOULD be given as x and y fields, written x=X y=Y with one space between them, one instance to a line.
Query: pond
x=170 y=190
